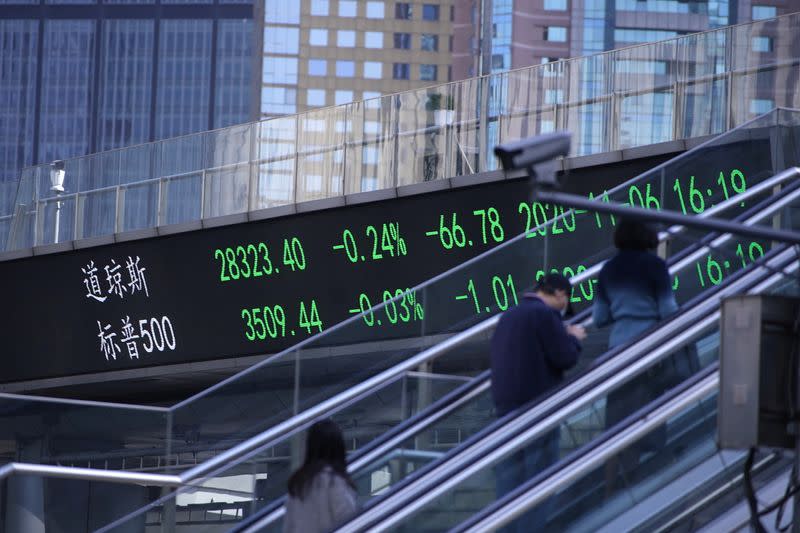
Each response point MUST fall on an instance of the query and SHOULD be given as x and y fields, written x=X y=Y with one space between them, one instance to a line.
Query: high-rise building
x=520 y=33
x=320 y=53
x=82 y=76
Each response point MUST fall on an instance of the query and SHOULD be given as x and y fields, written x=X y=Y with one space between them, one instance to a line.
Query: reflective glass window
x=402 y=41
x=234 y=72
x=375 y=10
x=762 y=44
x=373 y=70
x=345 y=38
x=319 y=7
x=402 y=11
x=555 y=34
x=19 y=44
x=278 y=100
x=184 y=72
x=315 y=97
x=555 y=5
x=280 y=70
x=401 y=71
x=430 y=12
x=318 y=37
x=126 y=81
x=759 y=106
x=348 y=8
x=764 y=12
x=429 y=42
x=282 y=12
x=344 y=97
x=345 y=69
x=317 y=67
x=373 y=39
x=66 y=92
x=428 y=72
x=281 y=40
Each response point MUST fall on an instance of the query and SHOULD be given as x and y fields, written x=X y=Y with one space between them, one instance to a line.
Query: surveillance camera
x=537 y=155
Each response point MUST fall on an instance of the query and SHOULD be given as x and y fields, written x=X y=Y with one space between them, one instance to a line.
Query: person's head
x=325 y=443
x=554 y=290
x=324 y=448
x=635 y=235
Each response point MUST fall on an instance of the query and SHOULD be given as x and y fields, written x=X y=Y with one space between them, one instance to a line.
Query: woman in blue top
x=633 y=289
x=633 y=294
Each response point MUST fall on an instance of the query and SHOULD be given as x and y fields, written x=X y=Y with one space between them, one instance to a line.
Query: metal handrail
x=90 y=474
x=606 y=376
x=258 y=441
x=762 y=214
x=353 y=111
x=599 y=455
x=375 y=382
x=490 y=322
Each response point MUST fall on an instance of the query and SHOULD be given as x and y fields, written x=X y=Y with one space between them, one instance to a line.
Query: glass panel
x=363 y=346
x=57 y=220
x=47 y=504
x=698 y=84
x=263 y=475
x=19 y=57
x=83 y=434
x=139 y=206
x=321 y=164
x=181 y=198
x=670 y=450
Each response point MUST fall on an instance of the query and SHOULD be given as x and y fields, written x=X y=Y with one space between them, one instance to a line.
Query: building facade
x=83 y=76
x=521 y=33
x=319 y=53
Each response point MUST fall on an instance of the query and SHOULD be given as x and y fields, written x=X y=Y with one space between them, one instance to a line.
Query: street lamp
x=57 y=175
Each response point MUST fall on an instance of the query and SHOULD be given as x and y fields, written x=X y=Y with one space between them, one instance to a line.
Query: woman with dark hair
x=633 y=287
x=634 y=293
x=321 y=493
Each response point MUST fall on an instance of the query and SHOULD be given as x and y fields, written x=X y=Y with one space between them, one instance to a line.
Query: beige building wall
x=339 y=51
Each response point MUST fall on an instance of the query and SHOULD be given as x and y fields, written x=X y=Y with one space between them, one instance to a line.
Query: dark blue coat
x=531 y=349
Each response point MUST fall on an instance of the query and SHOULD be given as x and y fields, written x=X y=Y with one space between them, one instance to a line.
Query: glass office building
x=83 y=76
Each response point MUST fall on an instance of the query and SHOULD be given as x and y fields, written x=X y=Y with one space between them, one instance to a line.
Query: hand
x=579 y=332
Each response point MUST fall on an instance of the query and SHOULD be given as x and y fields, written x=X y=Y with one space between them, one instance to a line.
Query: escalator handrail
x=593 y=455
x=373 y=383
x=755 y=214
x=634 y=358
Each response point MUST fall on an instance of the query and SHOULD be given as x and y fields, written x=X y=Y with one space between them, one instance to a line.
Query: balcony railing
x=690 y=86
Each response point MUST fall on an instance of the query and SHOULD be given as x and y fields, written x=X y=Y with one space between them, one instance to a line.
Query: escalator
x=427 y=437
x=599 y=484
x=245 y=430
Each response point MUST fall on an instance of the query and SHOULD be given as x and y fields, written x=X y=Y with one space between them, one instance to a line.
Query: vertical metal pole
x=58 y=216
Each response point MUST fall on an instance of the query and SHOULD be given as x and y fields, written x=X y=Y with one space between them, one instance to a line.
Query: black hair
x=324 y=448
x=553 y=282
x=635 y=235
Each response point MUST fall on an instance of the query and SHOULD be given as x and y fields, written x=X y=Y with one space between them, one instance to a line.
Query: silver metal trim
x=445 y=346
x=89 y=474
x=598 y=456
x=446 y=475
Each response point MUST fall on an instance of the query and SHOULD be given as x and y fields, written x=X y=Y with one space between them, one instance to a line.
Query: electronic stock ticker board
x=260 y=287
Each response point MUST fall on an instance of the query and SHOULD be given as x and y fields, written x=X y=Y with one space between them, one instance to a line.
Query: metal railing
x=689 y=86
x=251 y=447
x=547 y=414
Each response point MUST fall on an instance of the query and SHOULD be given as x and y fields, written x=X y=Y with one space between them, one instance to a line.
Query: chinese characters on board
x=115 y=282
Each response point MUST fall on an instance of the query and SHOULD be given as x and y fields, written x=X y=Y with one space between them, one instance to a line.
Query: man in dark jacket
x=531 y=349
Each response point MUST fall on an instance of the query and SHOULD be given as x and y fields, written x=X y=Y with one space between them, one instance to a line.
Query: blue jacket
x=531 y=349
x=633 y=293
